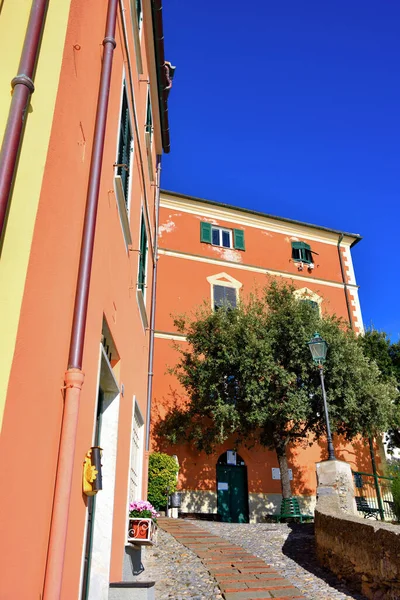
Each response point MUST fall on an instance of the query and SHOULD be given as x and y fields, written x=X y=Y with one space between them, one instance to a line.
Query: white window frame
x=220 y=231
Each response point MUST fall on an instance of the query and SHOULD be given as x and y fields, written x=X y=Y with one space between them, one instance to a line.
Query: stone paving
x=261 y=561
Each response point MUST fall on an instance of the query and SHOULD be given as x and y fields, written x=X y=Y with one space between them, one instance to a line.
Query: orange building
x=85 y=123
x=213 y=251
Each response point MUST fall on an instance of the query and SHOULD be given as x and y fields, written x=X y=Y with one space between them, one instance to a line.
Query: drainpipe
x=346 y=291
x=74 y=376
x=23 y=88
x=153 y=306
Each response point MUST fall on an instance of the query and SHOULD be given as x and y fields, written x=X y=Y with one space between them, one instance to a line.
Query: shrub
x=163 y=470
x=396 y=497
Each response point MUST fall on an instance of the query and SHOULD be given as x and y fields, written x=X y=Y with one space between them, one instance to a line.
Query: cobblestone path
x=184 y=569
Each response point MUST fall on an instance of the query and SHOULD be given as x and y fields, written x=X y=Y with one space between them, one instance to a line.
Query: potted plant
x=142 y=522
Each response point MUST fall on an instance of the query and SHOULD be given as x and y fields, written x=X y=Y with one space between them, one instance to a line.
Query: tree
x=378 y=347
x=248 y=373
x=163 y=473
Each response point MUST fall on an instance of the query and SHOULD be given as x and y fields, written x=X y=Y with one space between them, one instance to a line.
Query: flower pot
x=142 y=531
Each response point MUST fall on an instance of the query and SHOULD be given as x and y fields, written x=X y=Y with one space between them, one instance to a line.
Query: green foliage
x=163 y=470
x=248 y=372
x=396 y=497
x=393 y=467
x=378 y=347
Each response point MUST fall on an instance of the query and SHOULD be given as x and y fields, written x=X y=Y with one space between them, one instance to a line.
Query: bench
x=290 y=509
x=365 y=508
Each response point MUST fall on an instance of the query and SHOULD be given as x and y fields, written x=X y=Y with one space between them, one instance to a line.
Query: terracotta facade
x=113 y=400
x=189 y=269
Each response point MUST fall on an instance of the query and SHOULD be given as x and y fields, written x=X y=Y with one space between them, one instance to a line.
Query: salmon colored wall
x=35 y=398
x=180 y=231
x=187 y=286
x=197 y=470
x=183 y=268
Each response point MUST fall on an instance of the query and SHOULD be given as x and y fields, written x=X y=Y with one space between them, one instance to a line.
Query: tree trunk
x=280 y=449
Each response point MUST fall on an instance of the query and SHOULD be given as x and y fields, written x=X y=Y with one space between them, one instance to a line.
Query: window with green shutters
x=224 y=296
x=149 y=117
x=139 y=12
x=124 y=145
x=219 y=236
x=301 y=252
x=142 y=256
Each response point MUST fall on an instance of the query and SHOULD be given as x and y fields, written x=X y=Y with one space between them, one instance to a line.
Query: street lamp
x=318 y=348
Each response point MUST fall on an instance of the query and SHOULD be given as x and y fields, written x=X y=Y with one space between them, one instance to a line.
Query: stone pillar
x=335 y=479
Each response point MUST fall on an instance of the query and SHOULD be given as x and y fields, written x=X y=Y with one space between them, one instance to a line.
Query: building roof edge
x=357 y=237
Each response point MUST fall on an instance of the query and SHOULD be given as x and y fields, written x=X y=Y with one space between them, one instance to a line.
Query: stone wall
x=366 y=553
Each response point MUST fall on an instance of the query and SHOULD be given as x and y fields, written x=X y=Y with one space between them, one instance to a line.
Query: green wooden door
x=232 y=494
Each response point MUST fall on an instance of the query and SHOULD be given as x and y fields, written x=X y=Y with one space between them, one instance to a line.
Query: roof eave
x=356 y=236
x=164 y=72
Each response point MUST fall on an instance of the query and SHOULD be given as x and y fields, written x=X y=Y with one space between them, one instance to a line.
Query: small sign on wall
x=276 y=473
x=222 y=486
x=231 y=457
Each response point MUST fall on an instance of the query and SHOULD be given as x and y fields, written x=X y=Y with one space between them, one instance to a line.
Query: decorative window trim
x=224 y=280
x=307 y=294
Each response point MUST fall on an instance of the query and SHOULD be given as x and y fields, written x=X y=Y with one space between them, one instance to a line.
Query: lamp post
x=318 y=348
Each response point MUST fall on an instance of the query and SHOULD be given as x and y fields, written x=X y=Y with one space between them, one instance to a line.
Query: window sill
x=142 y=308
x=123 y=213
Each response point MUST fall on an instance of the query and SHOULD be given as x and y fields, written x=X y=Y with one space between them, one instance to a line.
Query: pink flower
x=139 y=506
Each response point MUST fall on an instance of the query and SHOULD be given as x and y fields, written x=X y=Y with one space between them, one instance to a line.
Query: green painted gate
x=232 y=493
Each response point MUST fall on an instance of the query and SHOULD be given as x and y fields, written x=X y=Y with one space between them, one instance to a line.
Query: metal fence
x=374 y=497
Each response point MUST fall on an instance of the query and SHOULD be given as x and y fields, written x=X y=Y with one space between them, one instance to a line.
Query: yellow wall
x=25 y=198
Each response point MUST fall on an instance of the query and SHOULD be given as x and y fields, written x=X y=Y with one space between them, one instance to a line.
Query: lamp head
x=318 y=348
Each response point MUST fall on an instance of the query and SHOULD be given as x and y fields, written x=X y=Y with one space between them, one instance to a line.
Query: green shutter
x=142 y=256
x=149 y=117
x=124 y=147
x=304 y=252
x=238 y=239
x=300 y=246
x=205 y=232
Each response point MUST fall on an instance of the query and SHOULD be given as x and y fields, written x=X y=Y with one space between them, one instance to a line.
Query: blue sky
x=293 y=108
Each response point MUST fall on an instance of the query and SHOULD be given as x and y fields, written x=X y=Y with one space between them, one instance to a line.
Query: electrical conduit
x=74 y=376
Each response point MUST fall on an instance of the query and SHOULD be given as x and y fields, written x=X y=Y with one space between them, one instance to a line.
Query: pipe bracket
x=109 y=40
x=23 y=80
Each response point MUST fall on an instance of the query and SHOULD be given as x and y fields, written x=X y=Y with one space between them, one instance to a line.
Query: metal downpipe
x=63 y=485
x=23 y=88
x=153 y=307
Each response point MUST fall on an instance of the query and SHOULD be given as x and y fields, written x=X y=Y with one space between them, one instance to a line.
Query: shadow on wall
x=300 y=547
x=197 y=477
x=356 y=453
